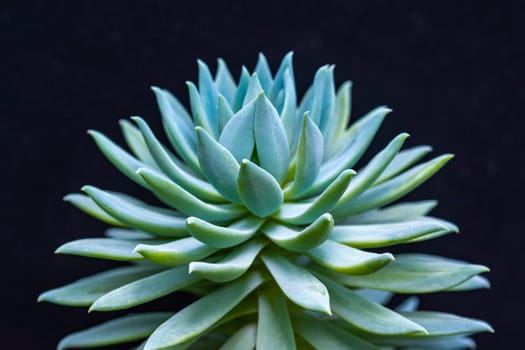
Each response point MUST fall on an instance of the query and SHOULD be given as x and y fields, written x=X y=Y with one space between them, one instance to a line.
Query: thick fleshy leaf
x=185 y=202
x=309 y=158
x=415 y=273
x=142 y=218
x=403 y=160
x=224 y=111
x=120 y=330
x=200 y=316
x=372 y=170
x=298 y=284
x=408 y=305
x=146 y=289
x=396 y=212
x=263 y=72
x=392 y=189
x=85 y=291
x=121 y=159
x=476 y=282
x=224 y=81
x=136 y=143
x=178 y=126
x=193 y=184
x=208 y=94
x=343 y=108
x=383 y=235
x=244 y=80
x=199 y=111
x=175 y=253
x=299 y=241
x=443 y=324
x=377 y=296
x=223 y=237
x=306 y=212
x=323 y=105
x=429 y=343
x=322 y=335
x=102 y=248
x=127 y=235
x=253 y=90
x=232 y=266
x=270 y=139
x=274 y=328
x=288 y=113
x=367 y=315
x=338 y=257
x=237 y=135
x=243 y=339
x=219 y=166
x=359 y=138
x=258 y=189
x=278 y=81
x=88 y=206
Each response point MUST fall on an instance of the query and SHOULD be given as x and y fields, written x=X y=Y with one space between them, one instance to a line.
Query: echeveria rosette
x=267 y=223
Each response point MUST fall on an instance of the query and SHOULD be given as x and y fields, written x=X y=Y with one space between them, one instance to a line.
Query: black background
x=451 y=70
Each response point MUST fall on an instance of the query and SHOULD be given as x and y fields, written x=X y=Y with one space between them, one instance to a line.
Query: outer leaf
x=322 y=335
x=175 y=253
x=415 y=273
x=263 y=72
x=121 y=159
x=88 y=206
x=270 y=139
x=393 y=189
x=241 y=89
x=136 y=216
x=442 y=324
x=199 y=111
x=476 y=282
x=377 y=296
x=145 y=289
x=120 y=330
x=309 y=158
x=367 y=315
x=185 y=202
x=136 y=143
x=243 y=339
x=403 y=160
x=382 y=235
x=208 y=93
x=274 y=326
x=303 y=213
x=338 y=257
x=193 y=184
x=224 y=111
x=278 y=81
x=397 y=212
x=200 y=316
x=219 y=165
x=300 y=241
x=288 y=113
x=223 y=237
x=253 y=90
x=231 y=267
x=237 y=135
x=258 y=189
x=102 y=248
x=127 y=235
x=431 y=343
x=224 y=81
x=85 y=291
x=299 y=285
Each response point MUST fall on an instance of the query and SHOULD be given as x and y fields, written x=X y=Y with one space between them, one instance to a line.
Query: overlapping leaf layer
x=268 y=224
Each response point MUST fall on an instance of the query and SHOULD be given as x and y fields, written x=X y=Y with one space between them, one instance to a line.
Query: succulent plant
x=284 y=245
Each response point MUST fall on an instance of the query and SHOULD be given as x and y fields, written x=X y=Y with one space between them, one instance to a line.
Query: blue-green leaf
x=273 y=324
x=297 y=283
x=278 y=81
x=185 y=202
x=224 y=81
x=259 y=190
x=219 y=166
x=338 y=257
x=175 y=253
x=396 y=212
x=145 y=289
x=160 y=223
x=232 y=266
x=85 y=291
x=208 y=94
x=242 y=87
x=253 y=90
x=442 y=324
x=270 y=139
x=199 y=112
x=403 y=160
x=120 y=330
x=88 y=206
x=127 y=235
x=200 y=316
x=309 y=158
x=476 y=282
x=392 y=189
x=237 y=135
x=136 y=143
x=288 y=113
x=224 y=111
x=102 y=248
x=243 y=339
x=299 y=241
x=223 y=237
x=263 y=72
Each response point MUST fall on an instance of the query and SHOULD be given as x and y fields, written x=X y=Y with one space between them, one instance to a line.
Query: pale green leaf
x=278 y=81
x=208 y=94
x=403 y=160
x=223 y=237
x=288 y=113
x=175 y=253
x=224 y=112
x=199 y=112
x=274 y=328
x=88 y=206
x=224 y=81
x=243 y=339
x=244 y=80
x=136 y=143
x=476 y=282
x=443 y=324
x=237 y=135
x=396 y=212
x=102 y=248
x=253 y=90
x=263 y=72
x=127 y=235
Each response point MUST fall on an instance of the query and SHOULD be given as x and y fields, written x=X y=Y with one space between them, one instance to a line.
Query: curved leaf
x=253 y=90
x=88 y=206
x=175 y=253
x=102 y=248
x=223 y=237
x=402 y=161
x=136 y=143
x=442 y=324
x=288 y=113
x=263 y=72
x=208 y=94
x=243 y=339
x=237 y=135
x=241 y=89
x=274 y=329
x=224 y=81
x=397 y=212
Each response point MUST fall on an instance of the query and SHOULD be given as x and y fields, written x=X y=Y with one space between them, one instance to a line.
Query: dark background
x=451 y=70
